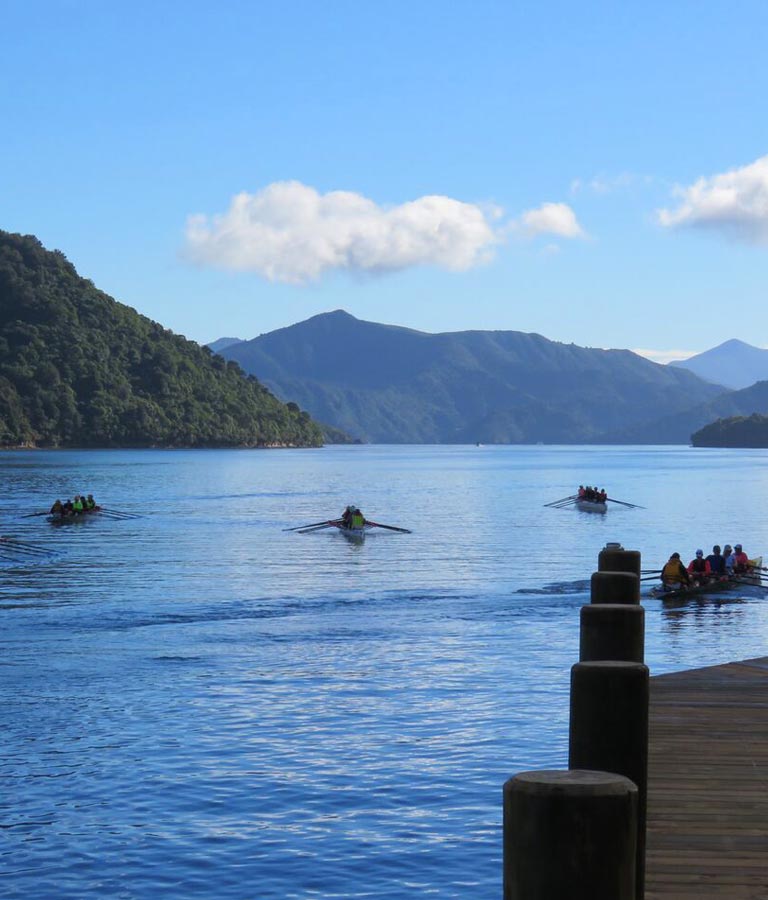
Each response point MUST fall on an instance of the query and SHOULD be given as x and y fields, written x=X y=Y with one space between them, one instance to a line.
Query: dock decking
x=708 y=784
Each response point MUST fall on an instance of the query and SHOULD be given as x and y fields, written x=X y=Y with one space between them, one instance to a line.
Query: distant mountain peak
x=734 y=364
x=391 y=384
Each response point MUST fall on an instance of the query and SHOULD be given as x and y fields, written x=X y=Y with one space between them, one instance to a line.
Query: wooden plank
x=708 y=784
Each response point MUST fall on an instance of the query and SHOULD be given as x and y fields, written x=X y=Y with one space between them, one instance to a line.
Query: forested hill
x=78 y=369
x=388 y=384
x=736 y=431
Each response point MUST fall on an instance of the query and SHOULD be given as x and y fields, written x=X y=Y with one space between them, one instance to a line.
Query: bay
x=197 y=703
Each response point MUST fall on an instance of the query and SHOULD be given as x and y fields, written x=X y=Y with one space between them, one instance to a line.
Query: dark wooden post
x=615 y=587
x=570 y=836
x=612 y=631
x=614 y=558
x=609 y=730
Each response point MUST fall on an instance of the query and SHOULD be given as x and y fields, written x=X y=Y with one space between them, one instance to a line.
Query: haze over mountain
x=79 y=369
x=733 y=364
x=388 y=384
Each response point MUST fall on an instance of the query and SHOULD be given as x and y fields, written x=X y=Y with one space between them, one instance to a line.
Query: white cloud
x=735 y=202
x=666 y=356
x=550 y=218
x=290 y=232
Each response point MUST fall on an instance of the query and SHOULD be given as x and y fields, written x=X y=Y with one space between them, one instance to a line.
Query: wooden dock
x=708 y=784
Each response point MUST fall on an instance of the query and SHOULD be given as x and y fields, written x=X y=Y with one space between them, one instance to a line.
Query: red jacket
x=699 y=567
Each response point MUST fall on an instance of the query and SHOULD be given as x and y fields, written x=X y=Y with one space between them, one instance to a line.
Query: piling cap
x=613 y=545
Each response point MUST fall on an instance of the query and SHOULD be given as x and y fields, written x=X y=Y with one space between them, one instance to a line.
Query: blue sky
x=596 y=173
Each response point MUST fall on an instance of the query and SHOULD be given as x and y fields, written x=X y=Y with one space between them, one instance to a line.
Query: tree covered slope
x=737 y=431
x=388 y=384
x=79 y=369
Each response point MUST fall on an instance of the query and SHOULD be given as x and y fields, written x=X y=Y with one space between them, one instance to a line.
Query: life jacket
x=698 y=565
x=77 y=506
x=357 y=520
x=90 y=504
x=673 y=572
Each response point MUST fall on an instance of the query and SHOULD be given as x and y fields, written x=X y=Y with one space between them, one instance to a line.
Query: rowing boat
x=712 y=587
x=593 y=506
x=354 y=534
x=71 y=518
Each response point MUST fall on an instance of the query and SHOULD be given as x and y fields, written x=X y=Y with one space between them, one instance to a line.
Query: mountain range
x=388 y=384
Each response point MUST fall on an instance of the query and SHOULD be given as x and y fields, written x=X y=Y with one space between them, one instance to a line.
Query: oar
x=562 y=505
x=30 y=515
x=115 y=513
x=22 y=552
x=388 y=527
x=309 y=530
x=22 y=545
x=313 y=525
x=630 y=505
x=562 y=500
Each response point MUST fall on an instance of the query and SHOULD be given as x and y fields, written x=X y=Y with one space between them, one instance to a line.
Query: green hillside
x=736 y=431
x=78 y=369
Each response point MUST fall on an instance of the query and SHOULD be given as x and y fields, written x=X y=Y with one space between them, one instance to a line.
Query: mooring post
x=570 y=836
x=615 y=587
x=614 y=558
x=609 y=730
x=612 y=631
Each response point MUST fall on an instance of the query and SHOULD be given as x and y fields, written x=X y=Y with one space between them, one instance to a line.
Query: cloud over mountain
x=290 y=232
x=734 y=202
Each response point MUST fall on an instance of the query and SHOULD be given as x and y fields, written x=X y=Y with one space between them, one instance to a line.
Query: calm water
x=198 y=704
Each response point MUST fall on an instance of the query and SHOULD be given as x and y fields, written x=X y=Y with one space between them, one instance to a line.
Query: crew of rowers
x=352 y=518
x=593 y=494
x=715 y=567
x=80 y=504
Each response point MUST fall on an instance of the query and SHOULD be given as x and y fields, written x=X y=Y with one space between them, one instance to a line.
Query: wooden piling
x=609 y=730
x=570 y=836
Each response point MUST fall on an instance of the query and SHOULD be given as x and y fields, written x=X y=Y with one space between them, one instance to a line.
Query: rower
x=582 y=492
x=729 y=559
x=740 y=560
x=674 y=576
x=716 y=562
x=358 y=519
x=699 y=568
x=57 y=509
x=346 y=517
